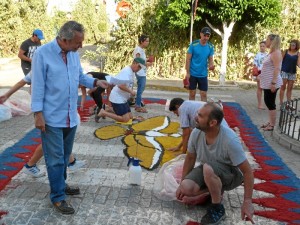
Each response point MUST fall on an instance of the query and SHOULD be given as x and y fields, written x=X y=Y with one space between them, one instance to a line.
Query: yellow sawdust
x=151 y=150
x=143 y=153
x=108 y=132
x=169 y=142
x=127 y=123
x=171 y=129
x=150 y=124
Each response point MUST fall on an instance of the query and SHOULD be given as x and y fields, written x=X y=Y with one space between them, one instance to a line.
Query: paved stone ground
x=106 y=197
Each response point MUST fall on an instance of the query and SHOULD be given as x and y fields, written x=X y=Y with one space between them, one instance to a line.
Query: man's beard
x=202 y=128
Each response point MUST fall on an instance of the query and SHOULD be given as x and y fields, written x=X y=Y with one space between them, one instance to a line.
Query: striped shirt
x=267 y=72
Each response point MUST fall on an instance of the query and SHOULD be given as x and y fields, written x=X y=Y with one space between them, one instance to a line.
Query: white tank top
x=267 y=72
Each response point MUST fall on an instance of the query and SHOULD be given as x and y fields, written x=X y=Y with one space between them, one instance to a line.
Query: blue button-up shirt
x=55 y=85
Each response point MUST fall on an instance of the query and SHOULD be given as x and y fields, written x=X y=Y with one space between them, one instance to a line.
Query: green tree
x=222 y=16
x=93 y=19
x=168 y=45
x=17 y=21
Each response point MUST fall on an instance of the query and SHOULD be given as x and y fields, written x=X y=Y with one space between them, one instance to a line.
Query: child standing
x=258 y=62
x=139 y=52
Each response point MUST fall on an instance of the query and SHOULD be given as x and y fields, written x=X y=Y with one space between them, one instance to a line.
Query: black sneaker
x=215 y=213
x=64 y=208
x=72 y=190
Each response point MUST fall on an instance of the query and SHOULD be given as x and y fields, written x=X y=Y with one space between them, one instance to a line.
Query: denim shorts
x=288 y=76
x=201 y=82
x=231 y=177
x=121 y=109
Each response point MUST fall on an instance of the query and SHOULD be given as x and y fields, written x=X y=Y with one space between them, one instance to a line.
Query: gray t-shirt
x=227 y=148
x=188 y=111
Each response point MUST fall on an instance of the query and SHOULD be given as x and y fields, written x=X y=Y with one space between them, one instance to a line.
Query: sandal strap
x=141 y=109
x=265 y=125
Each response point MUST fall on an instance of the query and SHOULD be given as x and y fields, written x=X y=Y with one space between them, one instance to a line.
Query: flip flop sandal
x=265 y=125
x=141 y=110
x=138 y=118
x=268 y=128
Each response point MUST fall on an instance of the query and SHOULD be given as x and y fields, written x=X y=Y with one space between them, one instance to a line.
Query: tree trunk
x=227 y=29
x=227 y=33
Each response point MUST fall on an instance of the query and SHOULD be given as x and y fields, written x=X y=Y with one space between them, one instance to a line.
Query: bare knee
x=208 y=173
x=207 y=170
x=125 y=118
x=189 y=187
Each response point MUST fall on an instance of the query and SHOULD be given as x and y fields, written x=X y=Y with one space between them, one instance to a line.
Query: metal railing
x=289 y=120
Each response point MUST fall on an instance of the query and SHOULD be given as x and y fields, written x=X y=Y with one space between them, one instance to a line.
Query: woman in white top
x=139 y=52
x=270 y=79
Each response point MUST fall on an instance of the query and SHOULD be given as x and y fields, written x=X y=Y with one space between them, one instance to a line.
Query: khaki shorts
x=231 y=177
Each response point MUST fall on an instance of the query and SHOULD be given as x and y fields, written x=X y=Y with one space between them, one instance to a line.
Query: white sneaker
x=77 y=165
x=34 y=171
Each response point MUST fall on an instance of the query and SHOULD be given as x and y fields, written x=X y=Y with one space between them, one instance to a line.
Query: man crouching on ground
x=224 y=166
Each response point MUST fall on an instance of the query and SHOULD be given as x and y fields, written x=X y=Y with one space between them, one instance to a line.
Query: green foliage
x=95 y=22
x=17 y=21
x=174 y=13
x=167 y=44
x=167 y=23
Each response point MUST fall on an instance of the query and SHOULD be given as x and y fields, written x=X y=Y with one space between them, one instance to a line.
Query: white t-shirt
x=117 y=95
x=27 y=78
x=259 y=58
x=141 y=51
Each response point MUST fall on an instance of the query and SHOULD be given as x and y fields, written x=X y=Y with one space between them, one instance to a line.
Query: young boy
x=121 y=93
x=258 y=62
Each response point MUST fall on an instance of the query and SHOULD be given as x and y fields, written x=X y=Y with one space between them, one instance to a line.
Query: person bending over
x=121 y=93
x=187 y=111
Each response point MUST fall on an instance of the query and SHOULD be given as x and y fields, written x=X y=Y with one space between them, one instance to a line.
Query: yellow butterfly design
x=146 y=140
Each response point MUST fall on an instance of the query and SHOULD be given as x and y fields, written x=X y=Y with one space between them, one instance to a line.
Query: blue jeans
x=141 y=84
x=57 y=145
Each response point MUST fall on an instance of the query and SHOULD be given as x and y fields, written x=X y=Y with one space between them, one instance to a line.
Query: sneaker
x=142 y=104
x=64 y=208
x=78 y=164
x=215 y=213
x=33 y=171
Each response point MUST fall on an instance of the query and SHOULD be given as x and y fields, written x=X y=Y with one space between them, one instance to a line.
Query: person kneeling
x=121 y=93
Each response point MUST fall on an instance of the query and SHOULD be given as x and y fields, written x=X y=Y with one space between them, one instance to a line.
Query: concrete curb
x=285 y=141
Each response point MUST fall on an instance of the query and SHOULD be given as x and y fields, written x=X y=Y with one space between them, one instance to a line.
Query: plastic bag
x=5 y=113
x=19 y=103
x=186 y=83
x=168 y=178
x=255 y=71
